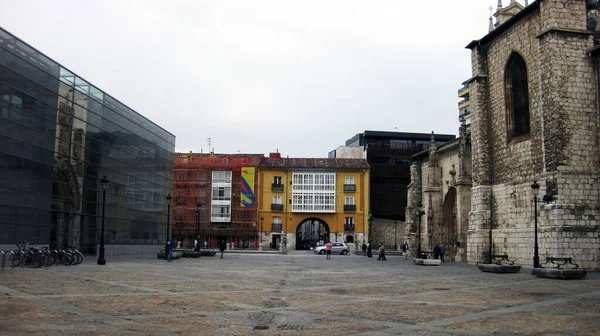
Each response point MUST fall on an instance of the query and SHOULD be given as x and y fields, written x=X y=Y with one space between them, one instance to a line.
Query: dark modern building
x=59 y=135
x=389 y=155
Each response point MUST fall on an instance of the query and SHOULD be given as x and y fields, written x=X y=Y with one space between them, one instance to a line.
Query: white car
x=336 y=247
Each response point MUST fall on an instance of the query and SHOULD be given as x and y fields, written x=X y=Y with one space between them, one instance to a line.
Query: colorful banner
x=247 y=187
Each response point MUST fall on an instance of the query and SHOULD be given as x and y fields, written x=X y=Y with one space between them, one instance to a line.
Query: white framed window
x=349 y=179
x=277 y=200
x=221 y=196
x=349 y=221
x=349 y=200
x=276 y=179
x=313 y=192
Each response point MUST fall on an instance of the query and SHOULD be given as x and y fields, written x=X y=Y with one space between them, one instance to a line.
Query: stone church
x=534 y=118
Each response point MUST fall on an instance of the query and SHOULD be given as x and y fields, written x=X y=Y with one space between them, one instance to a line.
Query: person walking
x=222 y=248
x=436 y=252
x=442 y=251
x=369 y=250
x=405 y=250
x=364 y=249
x=381 y=253
x=328 y=250
x=169 y=250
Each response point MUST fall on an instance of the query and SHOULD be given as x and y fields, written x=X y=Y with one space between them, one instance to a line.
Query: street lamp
x=104 y=183
x=260 y=234
x=420 y=212
x=198 y=205
x=370 y=221
x=536 y=191
x=169 y=199
x=395 y=240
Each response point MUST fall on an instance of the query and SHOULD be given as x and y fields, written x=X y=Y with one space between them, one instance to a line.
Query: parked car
x=336 y=247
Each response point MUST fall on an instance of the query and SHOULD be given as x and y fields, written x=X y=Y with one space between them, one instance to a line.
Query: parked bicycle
x=32 y=258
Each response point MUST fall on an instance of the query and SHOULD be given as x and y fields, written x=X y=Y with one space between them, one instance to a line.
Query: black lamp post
x=101 y=260
x=420 y=212
x=198 y=205
x=536 y=258
x=370 y=222
x=169 y=199
x=395 y=239
x=260 y=233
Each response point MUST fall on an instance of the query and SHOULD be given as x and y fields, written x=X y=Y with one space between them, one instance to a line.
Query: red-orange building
x=214 y=199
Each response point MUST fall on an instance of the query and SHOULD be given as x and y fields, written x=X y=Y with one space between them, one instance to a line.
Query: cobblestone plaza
x=294 y=294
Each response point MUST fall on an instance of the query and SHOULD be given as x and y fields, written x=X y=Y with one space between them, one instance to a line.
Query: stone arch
x=517 y=97
x=310 y=231
x=448 y=229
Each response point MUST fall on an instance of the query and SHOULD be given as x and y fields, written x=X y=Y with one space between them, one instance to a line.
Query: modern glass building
x=59 y=135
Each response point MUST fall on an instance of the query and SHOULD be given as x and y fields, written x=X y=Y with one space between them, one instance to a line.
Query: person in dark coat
x=436 y=252
x=405 y=250
x=169 y=250
x=369 y=250
x=442 y=249
x=364 y=249
x=222 y=248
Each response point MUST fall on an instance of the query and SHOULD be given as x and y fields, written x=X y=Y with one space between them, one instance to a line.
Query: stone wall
x=561 y=151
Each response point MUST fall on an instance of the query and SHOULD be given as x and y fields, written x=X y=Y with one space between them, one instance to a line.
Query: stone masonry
x=561 y=150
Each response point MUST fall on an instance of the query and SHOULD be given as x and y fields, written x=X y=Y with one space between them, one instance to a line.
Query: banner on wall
x=247 y=187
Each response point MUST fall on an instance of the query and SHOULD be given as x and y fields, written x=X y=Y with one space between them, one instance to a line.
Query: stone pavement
x=295 y=294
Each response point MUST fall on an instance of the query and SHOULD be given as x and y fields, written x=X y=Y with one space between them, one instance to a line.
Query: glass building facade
x=59 y=135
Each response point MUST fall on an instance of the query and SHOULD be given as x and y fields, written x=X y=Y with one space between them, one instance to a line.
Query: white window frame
x=277 y=199
x=313 y=192
x=349 y=200
x=349 y=179
x=221 y=205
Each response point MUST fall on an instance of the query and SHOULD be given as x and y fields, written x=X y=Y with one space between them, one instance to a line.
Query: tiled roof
x=315 y=163
x=231 y=156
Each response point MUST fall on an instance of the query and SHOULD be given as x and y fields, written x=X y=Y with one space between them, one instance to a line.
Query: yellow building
x=464 y=106
x=303 y=202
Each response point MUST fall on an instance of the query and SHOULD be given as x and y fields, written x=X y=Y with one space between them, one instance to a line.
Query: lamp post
x=104 y=183
x=536 y=258
x=169 y=199
x=395 y=240
x=370 y=222
x=198 y=205
x=420 y=213
x=260 y=234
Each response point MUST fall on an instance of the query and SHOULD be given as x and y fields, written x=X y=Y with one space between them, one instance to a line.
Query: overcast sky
x=300 y=77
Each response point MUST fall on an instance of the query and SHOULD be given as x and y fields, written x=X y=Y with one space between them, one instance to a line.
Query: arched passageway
x=310 y=233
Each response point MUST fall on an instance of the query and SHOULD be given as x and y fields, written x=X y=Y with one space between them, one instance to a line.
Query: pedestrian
x=442 y=251
x=196 y=246
x=328 y=249
x=369 y=250
x=381 y=253
x=222 y=248
x=436 y=252
x=405 y=250
x=169 y=250
x=364 y=249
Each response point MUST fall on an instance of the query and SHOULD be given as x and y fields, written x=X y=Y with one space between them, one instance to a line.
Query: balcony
x=276 y=187
x=349 y=207
x=349 y=187
x=275 y=226
x=463 y=91
x=348 y=227
x=276 y=207
x=463 y=103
